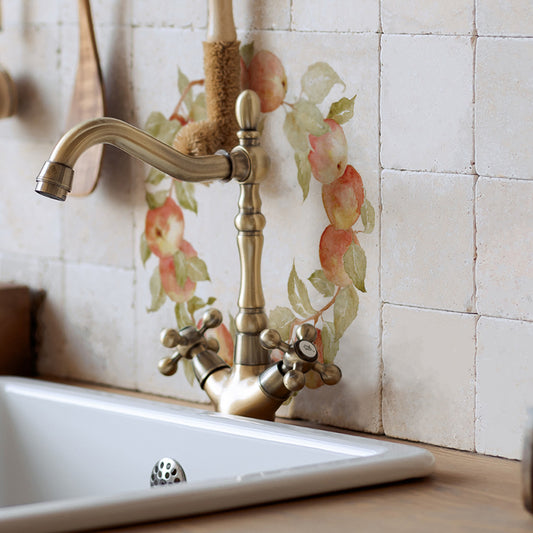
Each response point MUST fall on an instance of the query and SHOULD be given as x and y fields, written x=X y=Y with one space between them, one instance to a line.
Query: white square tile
x=428 y=16
x=155 y=70
x=103 y=12
x=169 y=13
x=99 y=325
x=30 y=12
x=512 y=17
x=29 y=223
x=32 y=60
x=428 y=240
x=428 y=376
x=504 y=277
x=504 y=391
x=262 y=14
x=426 y=109
x=335 y=15
x=504 y=115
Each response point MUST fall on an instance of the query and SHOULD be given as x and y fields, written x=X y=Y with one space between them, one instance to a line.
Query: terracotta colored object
x=15 y=330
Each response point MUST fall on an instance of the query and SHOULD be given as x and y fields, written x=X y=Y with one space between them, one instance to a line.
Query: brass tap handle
x=300 y=357
x=189 y=341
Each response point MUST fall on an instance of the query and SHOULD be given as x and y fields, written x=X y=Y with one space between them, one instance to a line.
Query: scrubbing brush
x=222 y=87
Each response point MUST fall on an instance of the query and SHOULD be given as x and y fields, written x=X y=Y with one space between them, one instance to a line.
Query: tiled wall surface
x=441 y=351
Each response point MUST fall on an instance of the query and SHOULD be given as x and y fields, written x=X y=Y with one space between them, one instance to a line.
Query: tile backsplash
x=442 y=131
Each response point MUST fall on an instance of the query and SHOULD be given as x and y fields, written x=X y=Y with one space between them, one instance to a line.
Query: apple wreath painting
x=328 y=297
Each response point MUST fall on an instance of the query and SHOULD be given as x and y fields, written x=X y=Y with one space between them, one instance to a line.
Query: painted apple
x=343 y=199
x=164 y=229
x=333 y=245
x=266 y=76
x=329 y=153
x=170 y=284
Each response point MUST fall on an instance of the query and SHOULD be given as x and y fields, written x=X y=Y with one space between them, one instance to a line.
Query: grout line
x=380 y=239
x=474 y=221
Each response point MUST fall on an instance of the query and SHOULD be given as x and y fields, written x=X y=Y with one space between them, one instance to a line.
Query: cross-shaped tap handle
x=300 y=357
x=186 y=339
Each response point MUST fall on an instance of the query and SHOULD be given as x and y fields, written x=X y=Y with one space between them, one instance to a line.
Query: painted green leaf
x=368 y=216
x=153 y=122
x=304 y=172
x=354 y=261
x=247 y=52
x=322 y=284
x=197 y=269
x=161 y=128
x=183 y=319
x=281 y=319
x=342 y=110
x=330 y=342
x=318 y=81
x=185 y=195
x=157 y=292
x=194 y=304
x=183 y=83
x=156 y=199
x=310 y=118
x=188 y=371
x=155 y=177
x=296 y=135
x=298 y=295
x=145 y=249
x=345 y=309
x=180 y=268
x=199 y=109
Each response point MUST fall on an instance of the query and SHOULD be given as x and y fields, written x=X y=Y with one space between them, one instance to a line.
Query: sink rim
x=389 y=462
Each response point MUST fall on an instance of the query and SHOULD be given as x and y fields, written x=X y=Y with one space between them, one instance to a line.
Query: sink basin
x=74 y=459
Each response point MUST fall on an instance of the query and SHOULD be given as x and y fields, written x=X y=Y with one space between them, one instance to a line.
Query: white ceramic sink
x=74 y=459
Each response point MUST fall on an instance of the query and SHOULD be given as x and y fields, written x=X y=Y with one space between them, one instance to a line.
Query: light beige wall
x=441 y=348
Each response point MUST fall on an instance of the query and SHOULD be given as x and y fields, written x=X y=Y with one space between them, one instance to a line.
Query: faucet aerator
x=55 y=180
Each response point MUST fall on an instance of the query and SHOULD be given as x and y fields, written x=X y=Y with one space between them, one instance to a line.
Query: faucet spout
x=55 y=178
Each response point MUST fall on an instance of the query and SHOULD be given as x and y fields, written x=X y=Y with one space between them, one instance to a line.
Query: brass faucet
x=254 y=386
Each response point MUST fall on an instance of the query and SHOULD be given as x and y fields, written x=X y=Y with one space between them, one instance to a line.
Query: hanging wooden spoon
x=87 y=102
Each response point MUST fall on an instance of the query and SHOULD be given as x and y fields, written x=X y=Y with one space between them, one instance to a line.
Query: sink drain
x=167 y=471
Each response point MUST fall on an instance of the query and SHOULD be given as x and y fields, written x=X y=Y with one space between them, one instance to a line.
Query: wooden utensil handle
x=220 y=26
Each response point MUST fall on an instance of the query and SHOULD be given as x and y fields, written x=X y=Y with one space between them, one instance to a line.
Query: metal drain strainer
x=167 y=471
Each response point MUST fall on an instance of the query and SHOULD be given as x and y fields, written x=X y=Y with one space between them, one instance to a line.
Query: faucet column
x=251 y=318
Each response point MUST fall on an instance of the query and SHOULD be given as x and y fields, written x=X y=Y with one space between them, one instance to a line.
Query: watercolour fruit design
x=343 y=199
x=164 y=228
x=266 y=76
x=177 y=290
x=320 y=151
x=329 y=153
x=334 y=243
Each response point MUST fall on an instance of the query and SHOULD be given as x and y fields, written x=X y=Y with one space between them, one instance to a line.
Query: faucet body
x=254 y=386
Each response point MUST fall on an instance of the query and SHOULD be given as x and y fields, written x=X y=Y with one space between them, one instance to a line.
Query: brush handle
x=220 y=26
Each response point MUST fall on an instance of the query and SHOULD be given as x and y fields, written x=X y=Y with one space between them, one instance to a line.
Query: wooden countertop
x=467 y=493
